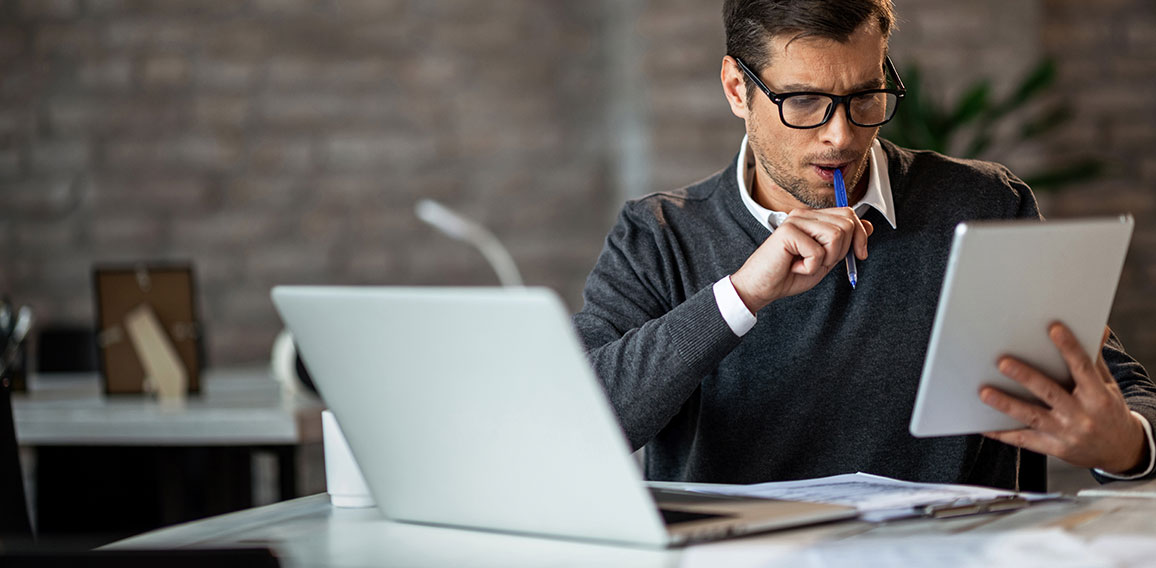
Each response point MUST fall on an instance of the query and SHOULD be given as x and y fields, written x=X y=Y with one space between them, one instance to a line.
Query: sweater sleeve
x=1138 y=388
x=649 y=349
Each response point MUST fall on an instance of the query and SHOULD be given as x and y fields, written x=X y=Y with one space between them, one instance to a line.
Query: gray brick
x=49 y=235
x=125 y=232
x=221 y=111
x=38 y=197
x=1141 y=34
x=66 y=39
x=150 y=34
x=372 y=267
x=112 y=74
x=148 y=194
x=355 y=10
x=60 y=156
x=283 y=7
x=190 y=152
x=165 y=72
x=264 y=193
x=1148 y=171
x=242 y=39
x=369 y=151
x=49 y=8
x=13 y=42
x=114 y=114
x=224 y=230
x=281 y=154
x=289 y=263
x=222 y=74
x=10 y=164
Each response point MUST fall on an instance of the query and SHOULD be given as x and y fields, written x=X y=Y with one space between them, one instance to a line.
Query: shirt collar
x=878 y=188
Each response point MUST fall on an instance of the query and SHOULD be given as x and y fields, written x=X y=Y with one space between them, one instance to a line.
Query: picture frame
x=169 y=291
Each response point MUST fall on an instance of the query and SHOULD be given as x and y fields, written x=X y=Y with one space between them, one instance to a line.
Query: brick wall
x=285 y=141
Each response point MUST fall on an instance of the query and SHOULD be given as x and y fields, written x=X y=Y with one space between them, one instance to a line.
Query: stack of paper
x=882 y=498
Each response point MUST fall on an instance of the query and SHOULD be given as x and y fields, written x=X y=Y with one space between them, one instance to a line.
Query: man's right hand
x=799 y=253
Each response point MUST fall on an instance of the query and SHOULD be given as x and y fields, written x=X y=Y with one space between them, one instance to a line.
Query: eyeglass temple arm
x=758 y=82
x=763 y=87
x=894 y=73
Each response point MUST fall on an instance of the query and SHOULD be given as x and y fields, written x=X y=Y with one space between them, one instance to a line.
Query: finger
x=852 y=235
x=863 y=229
x=844 y=219
x=809 y=254
x=1031 y=415
x=1026 y=439
x=1083 y=369
x=831 y=232
x=1042 y=386
x=1105 y=372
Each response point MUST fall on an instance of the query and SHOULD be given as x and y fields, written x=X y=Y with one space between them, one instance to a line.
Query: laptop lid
x=472 y=407
x=1006 y=282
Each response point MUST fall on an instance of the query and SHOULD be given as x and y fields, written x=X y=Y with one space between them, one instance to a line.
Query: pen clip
x=964 y=507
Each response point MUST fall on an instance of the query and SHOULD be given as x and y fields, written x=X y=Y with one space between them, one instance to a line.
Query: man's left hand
x=1090 y=426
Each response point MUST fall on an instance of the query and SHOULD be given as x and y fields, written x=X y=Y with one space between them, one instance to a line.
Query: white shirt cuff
x=734 y=311
x=1151 y=453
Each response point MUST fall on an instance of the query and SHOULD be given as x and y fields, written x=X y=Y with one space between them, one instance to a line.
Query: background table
x=90 y=457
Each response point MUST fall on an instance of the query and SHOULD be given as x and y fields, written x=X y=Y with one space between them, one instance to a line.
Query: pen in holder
x=13 y=330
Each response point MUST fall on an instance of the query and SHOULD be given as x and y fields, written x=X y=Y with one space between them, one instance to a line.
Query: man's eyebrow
x=803 y=87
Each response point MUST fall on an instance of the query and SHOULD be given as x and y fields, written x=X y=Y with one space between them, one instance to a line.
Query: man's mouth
x=826 y=171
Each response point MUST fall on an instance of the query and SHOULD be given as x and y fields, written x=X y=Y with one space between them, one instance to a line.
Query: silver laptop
x=476 y=407
x=1006 y=282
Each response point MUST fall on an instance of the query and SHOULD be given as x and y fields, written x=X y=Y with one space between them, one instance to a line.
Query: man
x=731 y=349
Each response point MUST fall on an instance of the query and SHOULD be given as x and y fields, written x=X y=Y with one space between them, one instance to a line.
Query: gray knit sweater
x=826 y=380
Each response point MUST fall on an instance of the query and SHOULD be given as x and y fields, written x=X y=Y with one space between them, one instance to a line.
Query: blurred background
x=269 y=142
x=286 y=141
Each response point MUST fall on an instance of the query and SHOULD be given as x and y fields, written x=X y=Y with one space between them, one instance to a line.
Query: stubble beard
x=800 y=189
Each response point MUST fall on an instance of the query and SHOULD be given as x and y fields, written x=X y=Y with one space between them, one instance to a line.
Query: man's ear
x=734 y=86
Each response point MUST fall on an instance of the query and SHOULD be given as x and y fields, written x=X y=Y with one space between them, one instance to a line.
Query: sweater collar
x=878 y=188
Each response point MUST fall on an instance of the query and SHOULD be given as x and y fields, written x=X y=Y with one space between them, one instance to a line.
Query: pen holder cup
x=343 y=479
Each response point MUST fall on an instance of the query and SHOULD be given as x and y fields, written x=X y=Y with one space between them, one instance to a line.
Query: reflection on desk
x=309 y=532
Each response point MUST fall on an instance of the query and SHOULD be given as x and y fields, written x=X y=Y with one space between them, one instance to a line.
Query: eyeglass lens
x=867 y=109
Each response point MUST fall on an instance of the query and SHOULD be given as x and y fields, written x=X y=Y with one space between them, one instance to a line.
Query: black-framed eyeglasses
x=806 y=109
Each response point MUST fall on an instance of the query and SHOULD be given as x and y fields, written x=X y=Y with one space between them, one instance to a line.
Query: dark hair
x=750 y=24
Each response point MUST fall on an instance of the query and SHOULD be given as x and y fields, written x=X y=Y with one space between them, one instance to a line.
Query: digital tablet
x=1006 y=282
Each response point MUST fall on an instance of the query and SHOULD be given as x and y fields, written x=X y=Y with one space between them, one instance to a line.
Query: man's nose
x=838 y=131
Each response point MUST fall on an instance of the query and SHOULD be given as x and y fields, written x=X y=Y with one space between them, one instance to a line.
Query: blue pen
x=841 y=201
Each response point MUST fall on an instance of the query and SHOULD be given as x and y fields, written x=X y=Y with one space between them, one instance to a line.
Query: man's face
x=795 y=167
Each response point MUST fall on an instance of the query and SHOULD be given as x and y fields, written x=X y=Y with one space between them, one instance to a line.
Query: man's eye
x=805 y=102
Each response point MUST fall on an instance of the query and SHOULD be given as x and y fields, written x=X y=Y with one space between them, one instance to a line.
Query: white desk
x=308 y=532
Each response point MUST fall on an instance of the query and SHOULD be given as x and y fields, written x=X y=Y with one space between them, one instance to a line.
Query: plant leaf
x=1080 y=171
x=974 y=103
x=1052 y=118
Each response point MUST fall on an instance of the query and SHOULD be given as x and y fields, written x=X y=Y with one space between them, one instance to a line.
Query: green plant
x=972 y=126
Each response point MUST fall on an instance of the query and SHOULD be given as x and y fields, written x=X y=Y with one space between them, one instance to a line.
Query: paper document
x=882 y=498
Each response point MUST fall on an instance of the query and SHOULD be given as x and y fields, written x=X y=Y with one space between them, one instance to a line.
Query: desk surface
x=235 y=407
x=308 y=532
